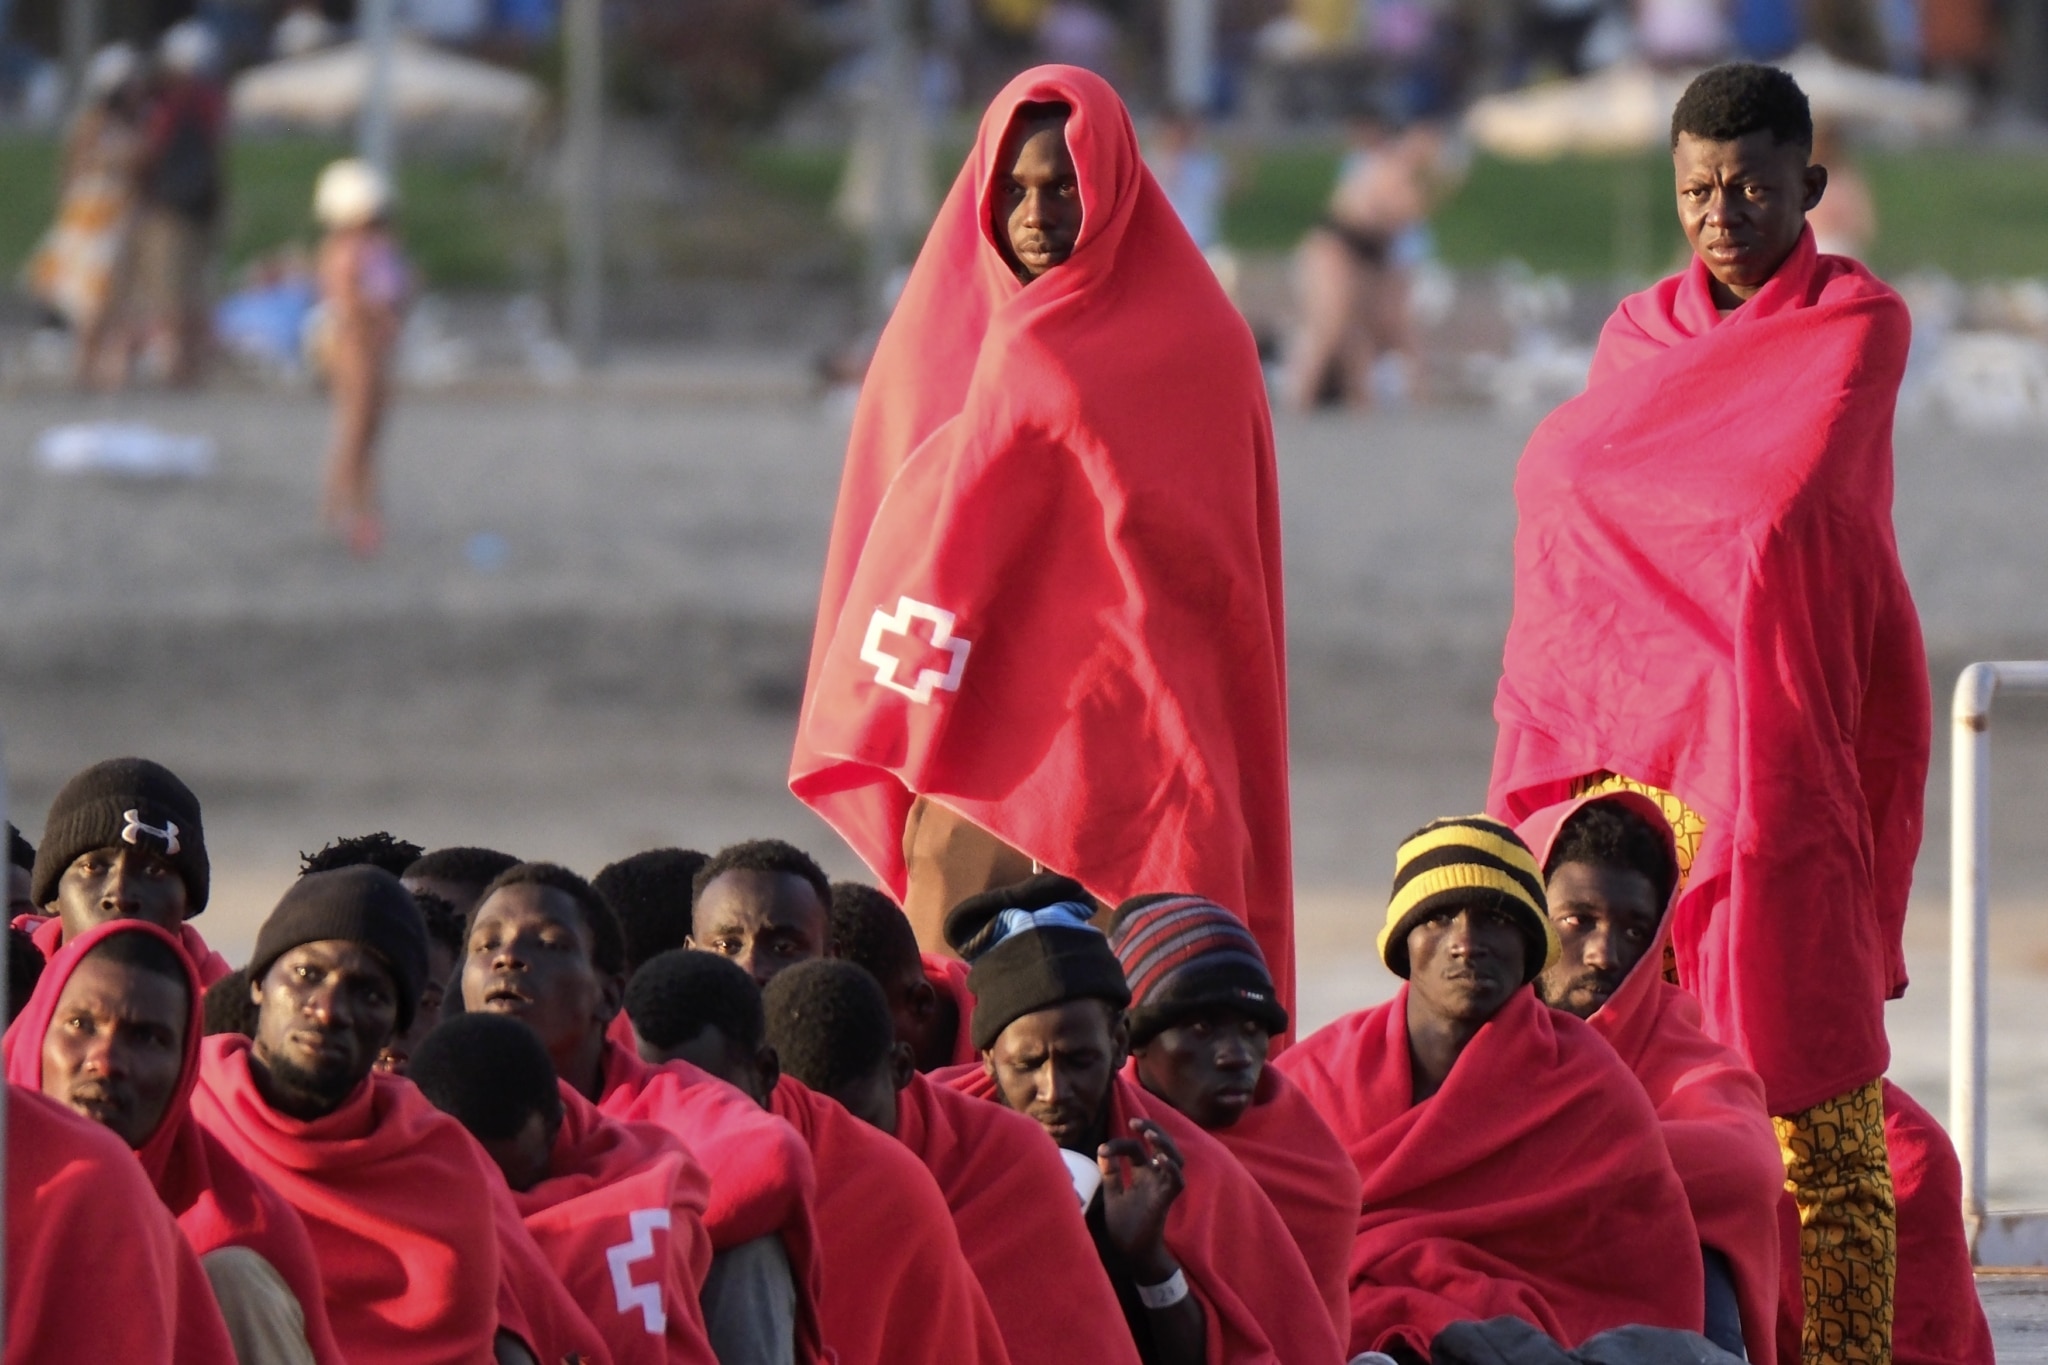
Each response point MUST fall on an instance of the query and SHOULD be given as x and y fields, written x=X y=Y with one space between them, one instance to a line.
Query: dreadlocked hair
x=381 y=849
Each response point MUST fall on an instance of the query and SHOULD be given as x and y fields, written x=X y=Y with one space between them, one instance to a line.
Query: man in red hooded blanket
x=1203 y=1267
x=393 y=1193
x=1709 y=608
x=1050 y=628
x=1610 y=868
x=1204 y=1012
x=74 y=1189
x=122 y=841
x=1511 y=1163
x=617 y=1208
x=113 y=1031
x=544 y=948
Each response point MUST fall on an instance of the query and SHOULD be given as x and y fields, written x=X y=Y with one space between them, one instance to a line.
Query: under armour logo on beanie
x=133 y=831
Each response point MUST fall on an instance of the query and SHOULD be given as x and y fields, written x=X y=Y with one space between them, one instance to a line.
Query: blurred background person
x=182 y=183
x=364 y=285
x=1353 y=270
x=1196 y=180
x=1844 y=223
x=80 y=271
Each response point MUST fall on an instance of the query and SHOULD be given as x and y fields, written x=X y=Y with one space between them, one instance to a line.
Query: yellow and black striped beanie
x=1457 y=860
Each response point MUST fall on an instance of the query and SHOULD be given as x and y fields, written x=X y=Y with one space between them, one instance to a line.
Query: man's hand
x=1141 y=1177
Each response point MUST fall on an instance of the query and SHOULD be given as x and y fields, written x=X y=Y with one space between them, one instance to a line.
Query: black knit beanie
x=1031 y=948
x=123 y=800
x=360 y=904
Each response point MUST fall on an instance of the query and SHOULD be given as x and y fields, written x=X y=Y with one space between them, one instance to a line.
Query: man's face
x=18 y=899
x=1037 y=206
x=529 y=957
x=120 y=881
x=764 y=921
x=440 y=967
x=1742 y=205
x=872 y=1098
x=116 y=1045
x=1056 y=1066
x=1465 y=961
x=1606 y=919
x=1207 y=1065
x=324 y=1012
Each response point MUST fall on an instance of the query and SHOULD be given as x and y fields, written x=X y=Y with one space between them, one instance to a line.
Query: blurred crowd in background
x=134 y=276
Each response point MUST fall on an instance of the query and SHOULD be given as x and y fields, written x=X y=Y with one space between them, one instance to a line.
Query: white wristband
x=1165 y=1295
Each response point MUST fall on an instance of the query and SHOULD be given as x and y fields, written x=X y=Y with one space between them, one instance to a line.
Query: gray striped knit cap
x=1182 y=954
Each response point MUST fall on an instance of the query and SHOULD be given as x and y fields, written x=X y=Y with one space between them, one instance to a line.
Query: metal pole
x=1969 y=912
x=583 y=179
x=1969 y=901
x=376 y=129
x=1191 y=54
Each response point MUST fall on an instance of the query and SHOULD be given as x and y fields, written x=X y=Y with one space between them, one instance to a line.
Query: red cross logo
x=887 y=626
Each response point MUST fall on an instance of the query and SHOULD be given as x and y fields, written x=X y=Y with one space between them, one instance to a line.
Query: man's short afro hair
x=651 y=892
x=763 y=855
x=463 y=865
x=20 y=852
x=228 y=1008
x=607 y=942
x=381 y=849
x=871 y=930
x=444 y=926
x=487 y=1071
x=678 y=994
x=1609 y=834
x=1735 y=99
x=828 y=1023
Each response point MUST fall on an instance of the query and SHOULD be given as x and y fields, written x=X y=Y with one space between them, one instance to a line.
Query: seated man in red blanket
x=1203 y=1014
x=618 y=1208
x=1511 y=1163
x=393 y=1193
x=1010 y=1197
x=544 y=948
x=930 y=1016
x=1202 y=1264
x=1610 y=868
x=123 y=841
x=1710 y=609
x=113 y=1031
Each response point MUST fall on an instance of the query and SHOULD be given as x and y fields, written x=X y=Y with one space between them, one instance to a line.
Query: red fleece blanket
x=1936 y=1316
x=1708 y=599
x=1262 y=1304
x=138 y=1295
x=882 y=1222
x=1019 y=1224
x=533 y=1303
x=763 y=1181
x=394 y=1197
x=48 y=932
x=1710 y=1105
x=215 y=1199
x=621 y=1218
x=1052 y=600
x=1533 y=1184
x=948 y=976
x=1285 y=1145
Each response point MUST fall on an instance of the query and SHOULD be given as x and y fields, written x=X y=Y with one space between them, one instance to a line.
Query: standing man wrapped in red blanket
x=1709 y=608
x=1050 y=628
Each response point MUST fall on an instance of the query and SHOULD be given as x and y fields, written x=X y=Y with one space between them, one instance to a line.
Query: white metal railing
x=1970 y=912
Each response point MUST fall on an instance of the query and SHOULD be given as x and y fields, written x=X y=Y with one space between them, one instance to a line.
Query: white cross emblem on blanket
x=898 y=624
